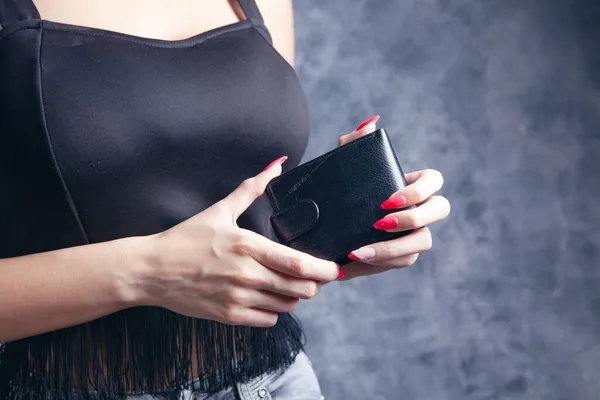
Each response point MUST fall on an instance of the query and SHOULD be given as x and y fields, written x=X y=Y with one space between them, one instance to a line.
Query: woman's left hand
x=401 y=252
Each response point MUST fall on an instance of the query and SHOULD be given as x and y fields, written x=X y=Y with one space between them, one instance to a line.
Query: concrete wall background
x=502 y=97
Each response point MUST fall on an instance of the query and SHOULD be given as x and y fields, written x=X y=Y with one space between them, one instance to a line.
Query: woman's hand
x=209 y=267
x=403 y=251
x=205 y=267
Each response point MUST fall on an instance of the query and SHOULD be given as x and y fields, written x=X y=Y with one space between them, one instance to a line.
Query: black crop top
x=107 y=135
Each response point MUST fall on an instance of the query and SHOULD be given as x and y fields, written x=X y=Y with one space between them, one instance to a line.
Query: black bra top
x=107 y=135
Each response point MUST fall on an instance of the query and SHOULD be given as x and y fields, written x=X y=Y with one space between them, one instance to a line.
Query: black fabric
x=251 y=10
x=14 y=11
x=253 y=14
x=107 y=135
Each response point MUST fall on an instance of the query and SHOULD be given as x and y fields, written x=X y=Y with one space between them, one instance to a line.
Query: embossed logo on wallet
x=297 y=185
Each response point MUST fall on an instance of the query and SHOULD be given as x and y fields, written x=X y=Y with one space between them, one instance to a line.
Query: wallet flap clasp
x=295 y=220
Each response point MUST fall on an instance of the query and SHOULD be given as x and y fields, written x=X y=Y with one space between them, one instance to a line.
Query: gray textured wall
x=502 y=97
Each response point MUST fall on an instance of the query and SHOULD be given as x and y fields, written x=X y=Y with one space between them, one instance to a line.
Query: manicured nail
x=341 y=273
x=374 y=118
x=364 y=253
x=386 y=223
x=280 y=160
x=395 y=201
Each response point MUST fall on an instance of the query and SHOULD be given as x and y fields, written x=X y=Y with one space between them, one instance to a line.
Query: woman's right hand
x=208 y=267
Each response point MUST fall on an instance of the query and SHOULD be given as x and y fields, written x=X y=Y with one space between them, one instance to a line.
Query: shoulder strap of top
x=13 y=11
x=253 y=15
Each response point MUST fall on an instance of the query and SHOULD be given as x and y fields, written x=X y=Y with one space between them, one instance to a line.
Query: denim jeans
x=297 y=382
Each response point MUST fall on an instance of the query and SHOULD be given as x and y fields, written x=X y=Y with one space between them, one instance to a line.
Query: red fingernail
x=280 y=160
x=395 y=201
x=386 y=223
x=341 y=273
x=374 y=118
x=353 y=257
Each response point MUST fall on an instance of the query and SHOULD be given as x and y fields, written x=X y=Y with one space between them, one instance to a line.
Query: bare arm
x=48 y=291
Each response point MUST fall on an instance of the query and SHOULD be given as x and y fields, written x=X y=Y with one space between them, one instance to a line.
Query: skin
x=157 y=20
x=239 y=277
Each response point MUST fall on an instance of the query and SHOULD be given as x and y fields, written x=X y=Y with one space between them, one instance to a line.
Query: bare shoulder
x=279 y=19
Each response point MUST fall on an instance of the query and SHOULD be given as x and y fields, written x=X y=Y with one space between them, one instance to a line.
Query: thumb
x=252 y=188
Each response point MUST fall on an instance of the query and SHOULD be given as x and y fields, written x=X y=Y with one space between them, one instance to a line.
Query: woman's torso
x=108 y=134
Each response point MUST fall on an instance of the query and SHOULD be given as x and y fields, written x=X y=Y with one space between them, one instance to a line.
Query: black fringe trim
x=144 y=350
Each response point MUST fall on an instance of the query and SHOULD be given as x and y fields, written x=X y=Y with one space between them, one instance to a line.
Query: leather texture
x=327 y=207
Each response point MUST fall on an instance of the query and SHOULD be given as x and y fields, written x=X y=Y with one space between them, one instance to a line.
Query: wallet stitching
x=327 y=156
x=320 y=164
x=272 y=196
x=308 y=174
x=337 y=150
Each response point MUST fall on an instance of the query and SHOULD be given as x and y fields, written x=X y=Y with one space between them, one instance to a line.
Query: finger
x=251 y=188
x=256 y=276
x=240 y=315
x=359 y=269
x=421 y=185
x=387 y=251
x=364 y=128
x=280 y=283
x=431 y=210
x=413 y=176
x=398 y=262
x=272 y=301
x=284 y=259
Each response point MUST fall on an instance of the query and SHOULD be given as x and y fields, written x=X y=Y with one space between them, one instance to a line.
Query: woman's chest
x=114 y=99
x=151 y=131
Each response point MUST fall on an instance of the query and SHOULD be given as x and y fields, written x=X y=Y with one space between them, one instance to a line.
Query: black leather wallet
x=327 y=206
